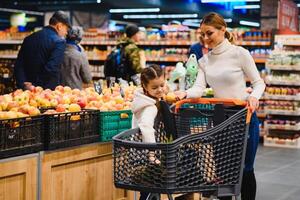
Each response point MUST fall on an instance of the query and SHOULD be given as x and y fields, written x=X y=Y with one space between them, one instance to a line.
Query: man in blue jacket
x=42 y=53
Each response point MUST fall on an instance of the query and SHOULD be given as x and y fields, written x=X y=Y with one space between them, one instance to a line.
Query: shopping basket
x=207 y=154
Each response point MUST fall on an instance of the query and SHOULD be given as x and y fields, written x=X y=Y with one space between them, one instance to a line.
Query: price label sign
x=287 y=16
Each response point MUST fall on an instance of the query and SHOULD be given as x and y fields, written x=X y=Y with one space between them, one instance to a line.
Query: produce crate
x=113 y=123
x=21 y=136
x=71 y=129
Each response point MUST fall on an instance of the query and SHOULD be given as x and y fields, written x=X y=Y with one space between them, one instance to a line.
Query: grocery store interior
x=58 y=144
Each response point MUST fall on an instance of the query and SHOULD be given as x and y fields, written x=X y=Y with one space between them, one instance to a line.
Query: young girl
x=144 y=103
x=144 y=106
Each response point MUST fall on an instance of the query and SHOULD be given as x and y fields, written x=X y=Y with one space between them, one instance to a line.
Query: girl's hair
x=217 y=21
x=149 y=73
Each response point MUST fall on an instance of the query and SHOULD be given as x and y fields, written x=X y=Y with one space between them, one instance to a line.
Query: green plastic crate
x=112 y=123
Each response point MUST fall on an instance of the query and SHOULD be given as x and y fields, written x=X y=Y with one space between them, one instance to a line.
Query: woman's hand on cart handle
x=180 y=95
x=253 y=103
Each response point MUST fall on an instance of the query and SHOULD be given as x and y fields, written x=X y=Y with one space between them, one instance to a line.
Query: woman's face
x=156 y=87
x=212 y=36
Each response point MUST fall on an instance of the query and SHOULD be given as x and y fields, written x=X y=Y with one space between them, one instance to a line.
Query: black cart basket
x=204 y=152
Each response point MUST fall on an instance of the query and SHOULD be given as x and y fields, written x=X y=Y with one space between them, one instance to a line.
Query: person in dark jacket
x=75 y=67
x=197 y=50
x=41 y=54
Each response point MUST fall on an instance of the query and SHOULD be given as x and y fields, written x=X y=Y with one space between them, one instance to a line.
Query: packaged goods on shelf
x=97 y=71
x=282 y=142
x=284 y=59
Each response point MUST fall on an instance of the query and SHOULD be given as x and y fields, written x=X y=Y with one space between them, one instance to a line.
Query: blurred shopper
x=75 y=67
x=41 y=54
x=127 y=60
x=224 y=68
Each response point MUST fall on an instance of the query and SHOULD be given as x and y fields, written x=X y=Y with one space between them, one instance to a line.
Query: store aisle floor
x=278 y=173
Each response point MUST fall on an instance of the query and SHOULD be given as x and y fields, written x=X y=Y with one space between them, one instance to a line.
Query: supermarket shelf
x=283 y=127
x=282 y=112
x=154 y=43
x=254 y=43
x=11 y=41
x=8 y=56
x=285 y=143
x=283 y=67
x=290 y=83
x=170 y=59
x=173 y=43
x=282 y=97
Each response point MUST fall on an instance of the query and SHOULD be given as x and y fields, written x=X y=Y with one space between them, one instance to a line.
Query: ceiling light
x=21 y=11
x=298 y=5
x=221 y=1
x=193 y=20
x=247 y=7
x=134 y=10
x=187 y=23
x=248 y=23
x=163 y=16
x=228 y=20
x=98 y=1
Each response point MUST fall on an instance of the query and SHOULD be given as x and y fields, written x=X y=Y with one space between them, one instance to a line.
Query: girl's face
x=212 y=36
x=156 y=87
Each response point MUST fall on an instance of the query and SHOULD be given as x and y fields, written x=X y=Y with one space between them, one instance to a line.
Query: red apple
x=60 y=108
x=81 y=102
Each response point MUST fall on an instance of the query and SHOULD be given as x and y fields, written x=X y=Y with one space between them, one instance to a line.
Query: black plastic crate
x=71 y=129
x=21 y=136
x=207 y=157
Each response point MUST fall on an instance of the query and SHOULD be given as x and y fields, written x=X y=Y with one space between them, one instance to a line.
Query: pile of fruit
x=282 y=91
x=63 y=99
x=282 y=122
x=282 y=105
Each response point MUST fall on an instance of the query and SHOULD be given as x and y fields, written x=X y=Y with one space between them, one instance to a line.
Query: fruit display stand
x=18 y=177
x=83 y=172
x=282 y=95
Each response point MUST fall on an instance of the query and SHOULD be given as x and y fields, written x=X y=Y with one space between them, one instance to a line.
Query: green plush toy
x=177 y=74
x=191 y=71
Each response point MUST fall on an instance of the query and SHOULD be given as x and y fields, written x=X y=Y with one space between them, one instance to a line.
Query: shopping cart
x=204 y=152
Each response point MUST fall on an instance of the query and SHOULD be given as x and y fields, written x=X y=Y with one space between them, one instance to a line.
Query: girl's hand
x=253 y=103
x=180 y=94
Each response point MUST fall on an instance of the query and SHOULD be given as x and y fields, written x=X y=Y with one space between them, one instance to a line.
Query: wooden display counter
x=18 y=178
x=79 y=173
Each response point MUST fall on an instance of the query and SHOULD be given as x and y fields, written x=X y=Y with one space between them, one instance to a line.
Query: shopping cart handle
x=228 y=102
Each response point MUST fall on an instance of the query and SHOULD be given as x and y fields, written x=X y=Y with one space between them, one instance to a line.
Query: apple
x=67 y=89
x=60 y=108
x=74 y=107
x=76 y=92
x=38 y=89
x=17 y=92
x=53 y=102
x=33 y=103
x=12 y=104
x=66 y=99
x=3 y=105
x=170 y=97
x=81 y=102
x=59 y=88
x=32 y=111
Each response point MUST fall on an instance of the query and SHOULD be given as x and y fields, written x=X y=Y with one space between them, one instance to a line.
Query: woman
x=225 y=68
x=75 y=69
